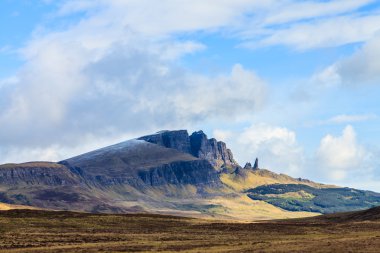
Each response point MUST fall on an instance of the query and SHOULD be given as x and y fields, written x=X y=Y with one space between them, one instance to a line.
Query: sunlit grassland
x=40 y=231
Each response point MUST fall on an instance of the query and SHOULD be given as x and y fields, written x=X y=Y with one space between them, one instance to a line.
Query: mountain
x=172 y=172
x=197 y=145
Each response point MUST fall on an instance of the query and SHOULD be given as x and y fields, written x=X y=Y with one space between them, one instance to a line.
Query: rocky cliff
x=197 y=144
x=169 y=172
x=198 y=173
x=130 y=171
x=141 y=164
x=37 y=173
x=178 y=140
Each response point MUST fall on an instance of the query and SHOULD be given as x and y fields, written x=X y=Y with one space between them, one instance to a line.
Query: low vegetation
x=42 y=231
x=297 y=197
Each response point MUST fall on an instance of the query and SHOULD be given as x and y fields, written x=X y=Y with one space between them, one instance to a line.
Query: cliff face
x=197 y=144
x=168 y=172
x=134 y=170
x=49 y=174
x=197 y=173
x=212 y=150
x=178 y=140
x=141 y=164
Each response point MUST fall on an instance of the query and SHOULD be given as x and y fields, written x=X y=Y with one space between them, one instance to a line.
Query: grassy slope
x=296 y=197
x=243 y=208
x=127 y=157
x=41 y=231
x=32 y=165
x=252 y=179
x=6 y=207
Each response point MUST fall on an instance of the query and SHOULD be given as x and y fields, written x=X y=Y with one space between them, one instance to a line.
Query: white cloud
x=339 y=160
x=363 y=67
x=344 y=119
x=256 y=23
x=276 y=147
x=327 y=32
x=288 y=11
x=54 y=152
x=230 y=96
x=116 y=71
x=69 y=88
x=327 y=78
x=339 y=156
x=152 y=18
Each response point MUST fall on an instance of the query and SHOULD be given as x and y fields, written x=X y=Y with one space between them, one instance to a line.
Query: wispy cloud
x=255 y=23
x=344 y=119
x=290 y=11
x=341 y=119
x=327 y=32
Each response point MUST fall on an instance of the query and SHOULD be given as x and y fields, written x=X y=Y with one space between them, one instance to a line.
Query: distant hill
x=367 y=215
x=172 y=172
x=298 y=197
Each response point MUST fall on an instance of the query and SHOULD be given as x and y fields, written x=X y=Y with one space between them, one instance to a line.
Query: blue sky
x=295 y=83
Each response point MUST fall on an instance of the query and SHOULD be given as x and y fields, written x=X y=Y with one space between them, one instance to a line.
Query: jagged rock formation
x=248 y=166
x=171 y=139
x=196 y=173
x=212 y=150
x=256 y=166
x=142 y=164
x=196 y=144
x=167 y=172
x=129 y=171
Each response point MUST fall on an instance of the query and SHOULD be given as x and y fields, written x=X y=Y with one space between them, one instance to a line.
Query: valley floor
x=43 y=231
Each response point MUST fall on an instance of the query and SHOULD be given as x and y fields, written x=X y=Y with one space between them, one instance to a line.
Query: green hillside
x=298 y=197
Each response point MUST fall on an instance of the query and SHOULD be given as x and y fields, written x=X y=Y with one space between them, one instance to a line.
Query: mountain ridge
x=169 y=172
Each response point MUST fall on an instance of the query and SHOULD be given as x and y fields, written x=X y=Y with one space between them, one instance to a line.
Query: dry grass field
x=43 y=231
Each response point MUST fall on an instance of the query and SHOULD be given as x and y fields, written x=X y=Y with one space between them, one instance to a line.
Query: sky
x=294 y=83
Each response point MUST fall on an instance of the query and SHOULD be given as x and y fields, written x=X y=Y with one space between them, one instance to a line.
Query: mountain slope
x=372 y=214
x=295 y=197
x=245 y=179
x=170 y=172
x=6 y=207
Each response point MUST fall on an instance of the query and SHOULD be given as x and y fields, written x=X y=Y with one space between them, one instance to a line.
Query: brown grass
x=31 y=165
x=260 y=177
x=41 y=231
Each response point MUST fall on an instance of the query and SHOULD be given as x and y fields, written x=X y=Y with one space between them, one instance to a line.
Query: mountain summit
x=172 y=172
x=197 y=145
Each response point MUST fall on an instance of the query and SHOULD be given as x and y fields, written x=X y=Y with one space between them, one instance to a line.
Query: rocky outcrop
x=197 y=173
x=141 y=164
x=212 y=150
x=197 y=144
x=248 y=166
x=256 y=166
x=169 y=163
x=49 y=174
x=178 y=140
